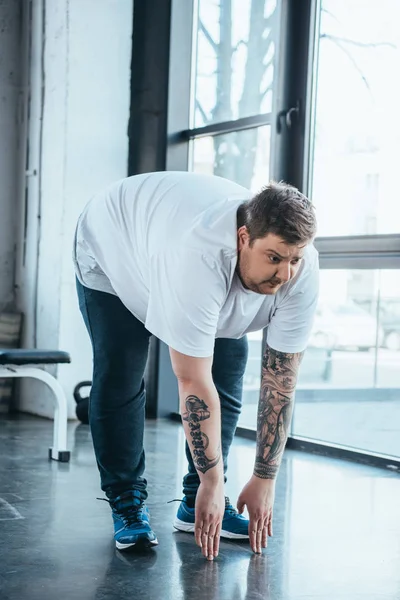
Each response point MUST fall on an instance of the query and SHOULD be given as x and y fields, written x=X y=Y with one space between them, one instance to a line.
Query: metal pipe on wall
x=28 y=237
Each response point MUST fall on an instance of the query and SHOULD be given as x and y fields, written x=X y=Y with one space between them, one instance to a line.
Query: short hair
x=279 y=208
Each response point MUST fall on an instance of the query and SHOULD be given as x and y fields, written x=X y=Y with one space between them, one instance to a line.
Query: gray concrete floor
x=336 y=533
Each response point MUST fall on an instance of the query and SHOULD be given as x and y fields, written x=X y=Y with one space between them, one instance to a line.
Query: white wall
x=10 y=20
x=84 y=146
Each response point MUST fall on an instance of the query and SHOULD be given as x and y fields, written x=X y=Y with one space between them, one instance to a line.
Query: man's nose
x=284 y=272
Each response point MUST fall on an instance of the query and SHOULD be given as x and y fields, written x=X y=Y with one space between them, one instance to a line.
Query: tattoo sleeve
x=197 y=412
x=279 y=376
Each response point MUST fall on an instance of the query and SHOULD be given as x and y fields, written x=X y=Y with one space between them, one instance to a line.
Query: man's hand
x=258 y=495
x=201 y=418
x=209 y=512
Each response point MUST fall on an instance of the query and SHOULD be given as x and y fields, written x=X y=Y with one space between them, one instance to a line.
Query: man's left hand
x=258 y=495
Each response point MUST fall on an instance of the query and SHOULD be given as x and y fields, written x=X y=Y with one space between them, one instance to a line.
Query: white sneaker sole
x=189 y=528
x=142 y=542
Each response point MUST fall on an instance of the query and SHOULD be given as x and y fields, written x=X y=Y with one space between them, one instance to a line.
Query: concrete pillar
x=83 y=147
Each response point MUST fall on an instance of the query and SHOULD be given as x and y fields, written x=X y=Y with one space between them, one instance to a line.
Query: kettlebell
x=82 y=402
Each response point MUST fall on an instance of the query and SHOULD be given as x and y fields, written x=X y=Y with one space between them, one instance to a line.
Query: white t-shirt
x=166 y=244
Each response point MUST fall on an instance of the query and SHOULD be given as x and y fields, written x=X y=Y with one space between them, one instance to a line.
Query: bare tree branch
x=269 y=86
x=270 y=21
x=237 y=46
x=265 y=92
x=354 y=43
x=328 y=12
x=351 y=59
x=266 y=49
x=208 y=37
x=266 y=41
x=202 y=112
x=342 y=43
x=265 y=46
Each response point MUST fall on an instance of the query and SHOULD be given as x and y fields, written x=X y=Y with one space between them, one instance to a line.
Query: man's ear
x=243 y=236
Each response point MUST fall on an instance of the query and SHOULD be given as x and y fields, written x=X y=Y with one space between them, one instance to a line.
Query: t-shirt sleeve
x=187 y=291
x=291 y=324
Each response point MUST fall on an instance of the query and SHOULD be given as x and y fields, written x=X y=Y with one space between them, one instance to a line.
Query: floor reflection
x=336 y=527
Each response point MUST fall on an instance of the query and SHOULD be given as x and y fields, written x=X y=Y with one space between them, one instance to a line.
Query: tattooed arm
x=279 y=377
x=201 y=413
x=201 y=417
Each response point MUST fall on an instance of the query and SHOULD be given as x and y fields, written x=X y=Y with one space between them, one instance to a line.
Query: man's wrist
x=212 y=479
x=265 y=472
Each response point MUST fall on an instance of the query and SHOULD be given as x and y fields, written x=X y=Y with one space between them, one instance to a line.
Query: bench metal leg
x=59 y=449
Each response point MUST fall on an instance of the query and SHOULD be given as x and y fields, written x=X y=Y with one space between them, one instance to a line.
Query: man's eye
x=274 y=259
x=296 y=261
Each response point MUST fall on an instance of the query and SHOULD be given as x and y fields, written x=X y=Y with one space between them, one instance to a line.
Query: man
x=197 y=261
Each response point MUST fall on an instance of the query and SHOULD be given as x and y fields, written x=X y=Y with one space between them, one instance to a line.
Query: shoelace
x=177 y=500
x=129 y=515
x=228 y=506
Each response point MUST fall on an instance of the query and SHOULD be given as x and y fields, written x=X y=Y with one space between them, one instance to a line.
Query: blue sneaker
x=234 y=526
x=131 y=521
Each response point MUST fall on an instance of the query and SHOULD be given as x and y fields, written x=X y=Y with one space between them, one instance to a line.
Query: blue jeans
x=120 y=345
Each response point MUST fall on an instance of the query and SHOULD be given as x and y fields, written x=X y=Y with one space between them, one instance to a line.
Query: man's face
x=268 y=264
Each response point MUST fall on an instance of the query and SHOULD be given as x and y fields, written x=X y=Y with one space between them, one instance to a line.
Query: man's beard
x=251 y=286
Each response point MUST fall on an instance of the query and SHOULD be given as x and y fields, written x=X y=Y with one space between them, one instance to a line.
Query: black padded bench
x=23 y=363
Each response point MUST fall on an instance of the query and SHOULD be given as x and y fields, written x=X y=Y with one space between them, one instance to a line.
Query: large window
x=354 y=399
x=357 y=129
x=349 y=385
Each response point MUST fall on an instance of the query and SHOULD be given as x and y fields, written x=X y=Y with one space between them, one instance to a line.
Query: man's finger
x=216 y=539
x=270 y=531
x=253 y=526
x=265 y=530
x=240 y=506
x=198 y=528
x=259 y=535
x=204 y=538
x=210 y=541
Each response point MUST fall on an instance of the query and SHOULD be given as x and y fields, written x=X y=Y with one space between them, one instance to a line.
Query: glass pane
x=349 y=386
x=252 y=381
x=234 y=59
x=357 y=129
x=241 y=156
